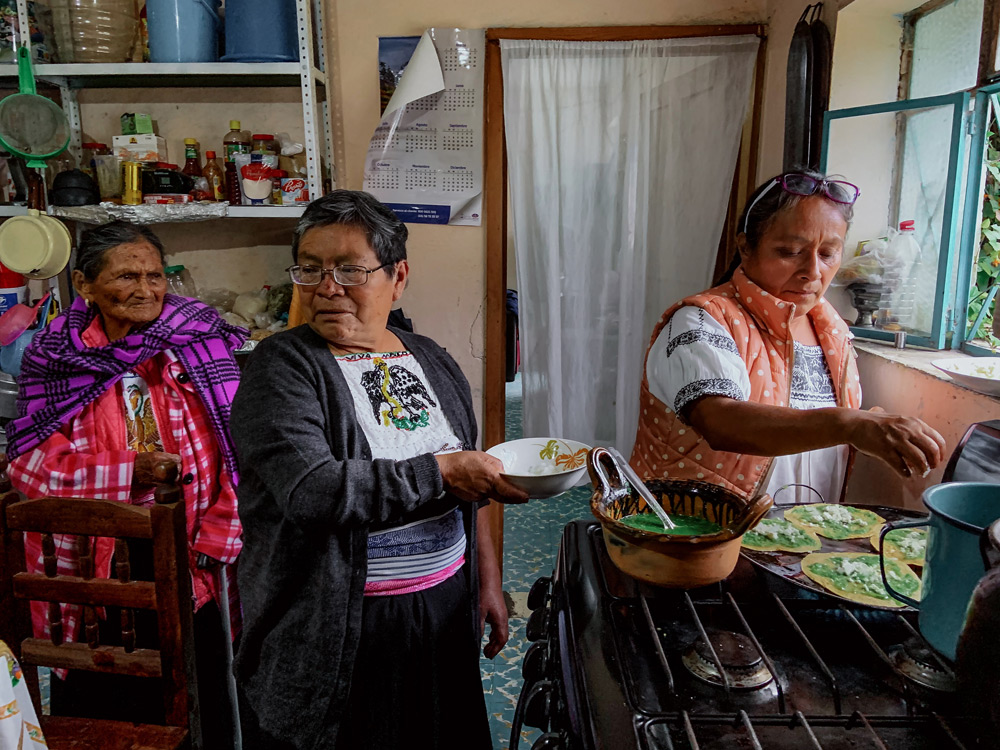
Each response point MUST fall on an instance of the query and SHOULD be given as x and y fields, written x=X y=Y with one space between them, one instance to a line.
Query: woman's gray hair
x=354 y=208
x=758 y=215
x=96 y=242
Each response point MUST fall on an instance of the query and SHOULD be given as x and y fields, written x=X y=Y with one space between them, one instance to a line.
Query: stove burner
x=739 y=658
x=916 y=662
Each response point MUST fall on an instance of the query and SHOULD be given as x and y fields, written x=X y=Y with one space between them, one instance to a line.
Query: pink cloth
x=409 y=585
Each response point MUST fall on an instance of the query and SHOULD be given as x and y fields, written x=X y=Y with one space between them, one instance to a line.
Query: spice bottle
x=216 y=179
x=277 y=175
x=192 y=163
x=236 y=141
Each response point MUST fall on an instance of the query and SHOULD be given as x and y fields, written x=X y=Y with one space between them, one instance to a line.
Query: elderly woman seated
x=367 y=569
x=126 y=377
x=752 y=385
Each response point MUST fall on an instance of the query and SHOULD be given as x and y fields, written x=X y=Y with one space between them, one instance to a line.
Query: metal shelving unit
x=308 y=74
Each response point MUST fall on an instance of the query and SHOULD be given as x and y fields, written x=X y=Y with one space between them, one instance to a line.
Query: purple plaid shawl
x=60 y=375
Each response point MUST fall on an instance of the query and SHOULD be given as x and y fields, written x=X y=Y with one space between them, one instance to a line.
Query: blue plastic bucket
x=261 y=31
x=183 y=30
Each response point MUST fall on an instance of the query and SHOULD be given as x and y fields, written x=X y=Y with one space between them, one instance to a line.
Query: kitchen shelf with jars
x=285 y=51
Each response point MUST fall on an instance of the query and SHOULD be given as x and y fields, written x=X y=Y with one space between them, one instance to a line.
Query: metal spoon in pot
x=641 y=488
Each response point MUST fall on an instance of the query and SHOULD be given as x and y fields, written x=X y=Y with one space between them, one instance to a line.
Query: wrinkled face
x=129 y=289
x=799 y=254
x=352 y=318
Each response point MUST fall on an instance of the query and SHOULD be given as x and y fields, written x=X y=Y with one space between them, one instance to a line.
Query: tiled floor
x=531 y=539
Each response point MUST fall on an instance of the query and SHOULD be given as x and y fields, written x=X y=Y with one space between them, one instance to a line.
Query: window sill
x=921 y=360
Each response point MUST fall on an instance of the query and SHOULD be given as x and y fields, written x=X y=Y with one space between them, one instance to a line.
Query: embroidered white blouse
x=695 y=356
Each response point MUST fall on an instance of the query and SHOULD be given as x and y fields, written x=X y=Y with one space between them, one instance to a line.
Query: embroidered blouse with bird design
x=402 y=417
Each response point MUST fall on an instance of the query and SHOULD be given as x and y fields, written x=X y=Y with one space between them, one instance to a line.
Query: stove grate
x=657 y=643
x=723 y=673
x=837 y=732
x=827 y=673
x=760 y=649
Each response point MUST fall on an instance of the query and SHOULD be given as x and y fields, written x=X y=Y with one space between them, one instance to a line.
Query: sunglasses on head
x=797 y=183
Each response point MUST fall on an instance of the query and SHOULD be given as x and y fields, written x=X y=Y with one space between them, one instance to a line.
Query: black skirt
x=416 y=681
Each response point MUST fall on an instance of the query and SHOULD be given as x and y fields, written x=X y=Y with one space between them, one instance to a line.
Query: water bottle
x=900 y=261
x=179 y=281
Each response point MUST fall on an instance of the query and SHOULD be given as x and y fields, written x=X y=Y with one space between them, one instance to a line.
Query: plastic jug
x=12 y=354
x=899 y=261
x=261 y=31
x=183 y=30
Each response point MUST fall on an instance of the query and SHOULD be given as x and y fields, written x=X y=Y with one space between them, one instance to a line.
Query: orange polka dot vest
x=667 y=448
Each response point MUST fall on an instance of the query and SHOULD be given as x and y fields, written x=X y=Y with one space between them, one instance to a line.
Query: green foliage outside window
x=987 y=270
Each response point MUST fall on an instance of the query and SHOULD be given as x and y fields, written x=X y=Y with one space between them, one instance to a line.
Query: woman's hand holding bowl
x=474 y=475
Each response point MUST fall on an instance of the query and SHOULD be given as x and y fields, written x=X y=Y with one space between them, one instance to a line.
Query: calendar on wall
x=425 y=158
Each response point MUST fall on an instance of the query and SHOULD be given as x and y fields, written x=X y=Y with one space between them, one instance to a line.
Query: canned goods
x=132 y=194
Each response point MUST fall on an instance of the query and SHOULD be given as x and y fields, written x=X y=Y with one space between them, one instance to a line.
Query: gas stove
x=748 y=663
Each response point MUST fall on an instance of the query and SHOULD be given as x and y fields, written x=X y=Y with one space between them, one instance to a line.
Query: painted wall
x=917 y=390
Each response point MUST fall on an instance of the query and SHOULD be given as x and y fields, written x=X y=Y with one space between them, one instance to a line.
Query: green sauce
x=685 y=525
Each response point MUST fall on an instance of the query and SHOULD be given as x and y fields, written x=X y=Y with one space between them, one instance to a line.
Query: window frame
x=986 y=98
x=947 y=328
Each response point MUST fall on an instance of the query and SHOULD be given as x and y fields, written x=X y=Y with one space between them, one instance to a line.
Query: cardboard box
x=135 y=123
x=140 y=147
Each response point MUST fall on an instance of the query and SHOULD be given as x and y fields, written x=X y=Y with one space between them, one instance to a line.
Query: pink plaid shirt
x=88 y=458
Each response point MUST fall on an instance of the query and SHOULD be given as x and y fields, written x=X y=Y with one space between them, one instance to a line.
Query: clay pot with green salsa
x=671 y=560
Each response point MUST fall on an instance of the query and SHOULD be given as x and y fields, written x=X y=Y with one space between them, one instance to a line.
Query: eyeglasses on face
x=343 y=275
x=797 y=183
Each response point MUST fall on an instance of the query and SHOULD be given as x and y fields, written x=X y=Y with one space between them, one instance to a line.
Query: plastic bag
x=861 y=269
x=279 y=299
x=236 y=320
x=250 y=303
x=221 y=299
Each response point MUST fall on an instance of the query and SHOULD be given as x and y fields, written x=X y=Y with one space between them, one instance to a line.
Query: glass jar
x=264 y=143
x=88 y=162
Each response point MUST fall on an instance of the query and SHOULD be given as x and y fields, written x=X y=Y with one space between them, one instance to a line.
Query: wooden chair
x=169 y=595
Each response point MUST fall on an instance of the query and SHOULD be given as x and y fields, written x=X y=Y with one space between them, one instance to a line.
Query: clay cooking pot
x=671 y=561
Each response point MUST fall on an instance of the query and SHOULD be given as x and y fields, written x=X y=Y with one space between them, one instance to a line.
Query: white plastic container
x=10 y=297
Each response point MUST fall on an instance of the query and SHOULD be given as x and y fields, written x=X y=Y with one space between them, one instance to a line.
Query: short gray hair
x=354 y=208
x=96 y=242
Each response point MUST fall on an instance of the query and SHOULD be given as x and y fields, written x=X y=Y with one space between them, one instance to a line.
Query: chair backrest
x=169 y=594
x=977 y=456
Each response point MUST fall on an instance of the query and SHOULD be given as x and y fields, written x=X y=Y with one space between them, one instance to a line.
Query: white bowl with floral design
x=542 y=467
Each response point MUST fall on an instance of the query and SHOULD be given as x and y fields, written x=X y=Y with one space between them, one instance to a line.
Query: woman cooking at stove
x=752 y=384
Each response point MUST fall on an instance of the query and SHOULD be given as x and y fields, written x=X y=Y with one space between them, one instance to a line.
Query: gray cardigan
x=308 y=492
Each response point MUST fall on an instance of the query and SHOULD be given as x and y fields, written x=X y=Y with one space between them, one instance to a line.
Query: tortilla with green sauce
x=777 y=535
x=906 y=545
x=856 y=576
x=835 y=521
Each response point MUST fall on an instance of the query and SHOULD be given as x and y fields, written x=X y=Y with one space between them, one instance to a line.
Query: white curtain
x=621 y=158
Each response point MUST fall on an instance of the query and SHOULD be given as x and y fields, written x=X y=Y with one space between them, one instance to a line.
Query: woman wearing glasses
x=752 y=384
x=366 y=578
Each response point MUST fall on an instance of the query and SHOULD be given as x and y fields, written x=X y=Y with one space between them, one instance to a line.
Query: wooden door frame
x=495 y=187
